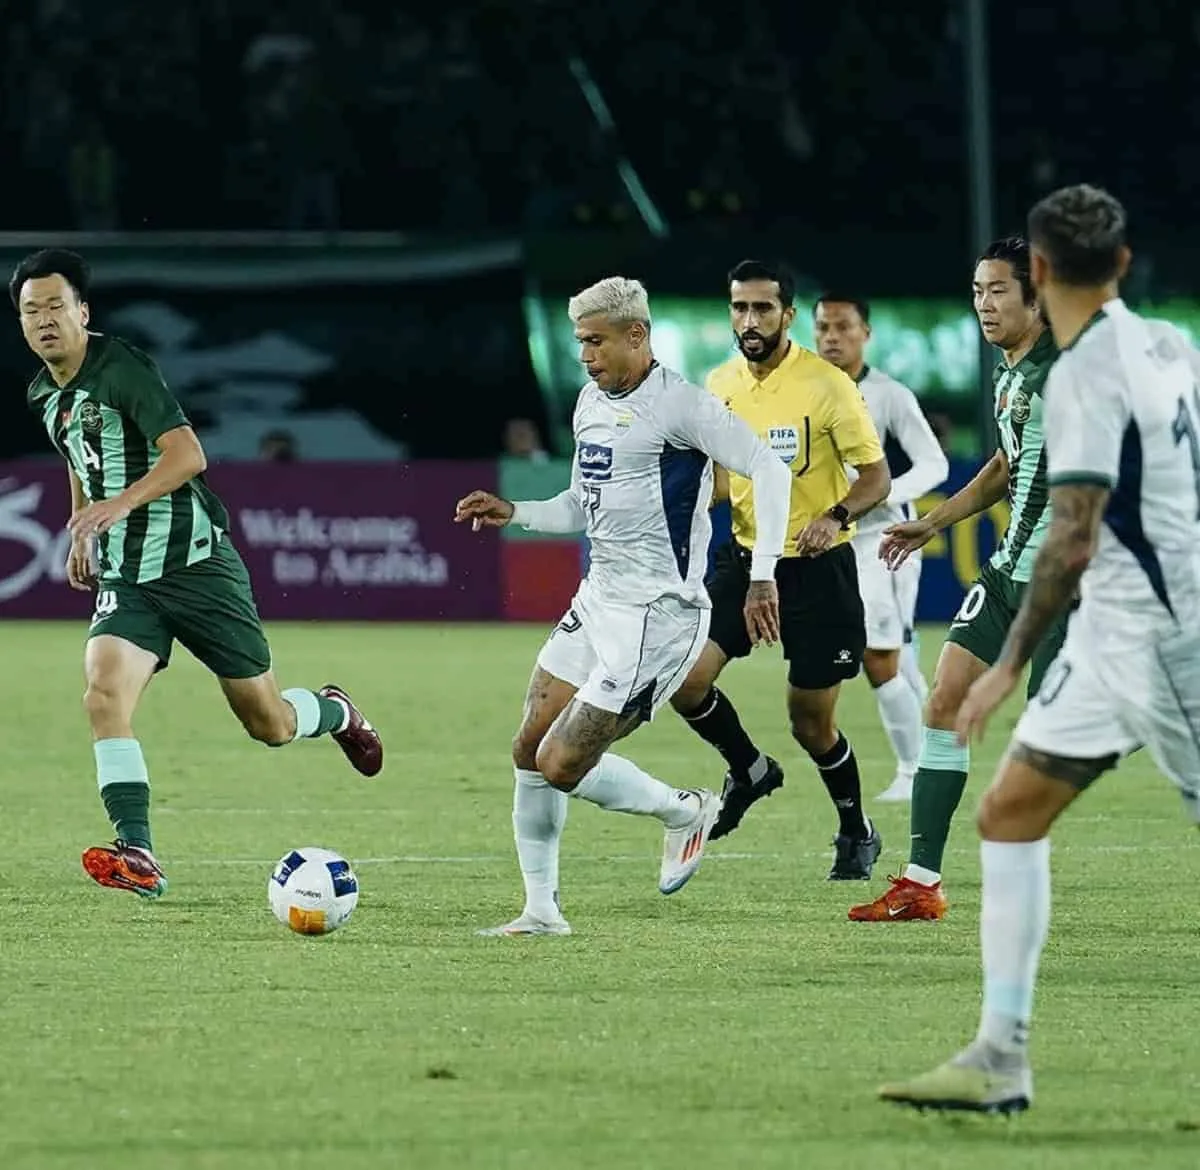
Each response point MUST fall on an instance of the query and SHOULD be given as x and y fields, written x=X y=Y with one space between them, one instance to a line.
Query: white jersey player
x=841 y=327
x=641 y=484
x=1122 y=428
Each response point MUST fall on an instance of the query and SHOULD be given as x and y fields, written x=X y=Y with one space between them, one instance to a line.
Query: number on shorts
x=971 y=604
x=1053 y=682
x=1184 y=427
x=106 y=605
x=570 y=623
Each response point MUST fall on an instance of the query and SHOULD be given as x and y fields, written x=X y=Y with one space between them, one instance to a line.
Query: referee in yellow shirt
x=815 y=419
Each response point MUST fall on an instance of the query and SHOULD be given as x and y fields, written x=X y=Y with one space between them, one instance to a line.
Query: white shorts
x=1115 y=686
x=889 y=598
x=623 y=657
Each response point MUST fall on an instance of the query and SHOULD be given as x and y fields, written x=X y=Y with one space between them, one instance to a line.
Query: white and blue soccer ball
x=312 y=891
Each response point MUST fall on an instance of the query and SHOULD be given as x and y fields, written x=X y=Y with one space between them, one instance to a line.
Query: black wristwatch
x=841 y=514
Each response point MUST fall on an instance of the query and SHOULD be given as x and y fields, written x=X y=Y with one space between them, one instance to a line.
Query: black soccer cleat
x=854 y=857
x=739 y=794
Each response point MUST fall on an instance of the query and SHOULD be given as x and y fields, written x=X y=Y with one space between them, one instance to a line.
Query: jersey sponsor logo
x=595 y=461
x=90 y=418
x=785 y=442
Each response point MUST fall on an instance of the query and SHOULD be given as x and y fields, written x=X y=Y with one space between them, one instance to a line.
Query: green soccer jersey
x=104 y=422
x=1018 y=397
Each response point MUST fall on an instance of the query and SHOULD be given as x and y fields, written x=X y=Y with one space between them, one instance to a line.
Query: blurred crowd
x=469 y=117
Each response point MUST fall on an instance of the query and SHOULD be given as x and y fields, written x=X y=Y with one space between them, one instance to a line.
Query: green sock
x=937 y=788
x=125 y=788
x=315 y=714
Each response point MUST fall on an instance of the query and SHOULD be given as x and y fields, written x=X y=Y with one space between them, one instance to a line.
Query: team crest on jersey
x=623 y=419
x=785 y=442
x=89 y=418
x=595 y=461
x=1020 y=408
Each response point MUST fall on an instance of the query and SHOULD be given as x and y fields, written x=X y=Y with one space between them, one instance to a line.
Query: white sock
x=900 y=711
x=539 y=813
x=910 y=669
x=619 y=785
x=918 y=873
x=1012 y=931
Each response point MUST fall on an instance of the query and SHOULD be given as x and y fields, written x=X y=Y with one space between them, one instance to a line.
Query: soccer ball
x=312 y=890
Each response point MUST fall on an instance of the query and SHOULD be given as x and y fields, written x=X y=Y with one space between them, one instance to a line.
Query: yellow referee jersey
x=815 y=419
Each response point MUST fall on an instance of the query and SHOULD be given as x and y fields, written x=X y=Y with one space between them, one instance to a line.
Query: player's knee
x=814 y=730
x=524 y=751
x=559 y=766
x=941 y=709
x=881 y=666
x=103 y=703
x=995 y=815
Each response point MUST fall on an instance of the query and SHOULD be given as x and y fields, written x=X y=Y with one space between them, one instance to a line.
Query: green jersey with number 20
x=105 y=422
x=1019 y=406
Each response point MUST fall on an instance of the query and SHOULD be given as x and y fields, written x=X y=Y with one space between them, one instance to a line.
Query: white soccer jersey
x=1123 y=409
x=898 y=419
x=641 y=485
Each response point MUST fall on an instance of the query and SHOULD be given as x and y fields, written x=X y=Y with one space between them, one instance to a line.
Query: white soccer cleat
x=526 y=925
x=899 y=791
x=683 y=849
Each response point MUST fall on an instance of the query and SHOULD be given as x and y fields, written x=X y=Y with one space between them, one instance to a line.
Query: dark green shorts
x=985 y=616
x=208 y=607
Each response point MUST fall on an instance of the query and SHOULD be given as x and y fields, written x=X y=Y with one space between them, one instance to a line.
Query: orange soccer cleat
x=903 y=901
x=125 y=867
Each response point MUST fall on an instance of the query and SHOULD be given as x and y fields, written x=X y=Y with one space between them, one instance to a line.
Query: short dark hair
x=72 y=267
x=1081 y=231
x=1014 y=251
x=837 y=298
x=781 y=274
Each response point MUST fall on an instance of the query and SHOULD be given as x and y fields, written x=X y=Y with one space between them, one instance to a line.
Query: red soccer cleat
x=358 y=739
x=125 y=867
x=903 y=901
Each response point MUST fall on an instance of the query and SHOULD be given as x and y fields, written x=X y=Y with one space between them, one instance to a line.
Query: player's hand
x=987 y=692
x=900 y=541
x=484 y=510
x=818 y=536
x=97 y=518
x=80 y=574
x=762 y=612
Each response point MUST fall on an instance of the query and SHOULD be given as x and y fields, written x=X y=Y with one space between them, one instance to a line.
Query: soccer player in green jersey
x=1006 y=305
x=149 y=535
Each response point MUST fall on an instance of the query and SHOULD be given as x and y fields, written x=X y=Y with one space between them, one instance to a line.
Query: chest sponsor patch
x=785 y=442
x=89 y=418
x=595 y=461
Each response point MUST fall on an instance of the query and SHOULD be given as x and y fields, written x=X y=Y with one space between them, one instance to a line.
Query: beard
x=766 y=347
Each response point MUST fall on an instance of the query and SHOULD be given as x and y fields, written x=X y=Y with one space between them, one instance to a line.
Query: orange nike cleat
x=125 y=867
x=903 y=901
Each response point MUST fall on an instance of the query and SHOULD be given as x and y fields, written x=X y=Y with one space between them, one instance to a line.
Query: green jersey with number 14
x=1018 y=394
x=105 y=422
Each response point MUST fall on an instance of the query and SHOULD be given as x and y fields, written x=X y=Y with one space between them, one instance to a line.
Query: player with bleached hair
x=641 y=483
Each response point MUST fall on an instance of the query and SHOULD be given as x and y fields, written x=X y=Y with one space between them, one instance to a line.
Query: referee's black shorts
x=821 y=619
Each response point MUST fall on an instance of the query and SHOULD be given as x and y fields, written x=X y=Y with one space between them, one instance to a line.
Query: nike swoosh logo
x=894 y=910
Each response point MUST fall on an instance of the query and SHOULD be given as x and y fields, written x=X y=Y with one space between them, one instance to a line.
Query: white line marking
x=636 y=858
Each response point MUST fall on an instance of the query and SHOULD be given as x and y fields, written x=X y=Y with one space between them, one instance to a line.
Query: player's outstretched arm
x=988 y=487
x=561 y=514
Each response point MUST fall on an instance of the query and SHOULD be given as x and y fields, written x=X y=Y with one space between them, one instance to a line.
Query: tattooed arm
x=1076 y=511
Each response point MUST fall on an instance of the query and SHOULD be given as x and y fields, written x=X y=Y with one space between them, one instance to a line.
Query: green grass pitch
x=742 y=1022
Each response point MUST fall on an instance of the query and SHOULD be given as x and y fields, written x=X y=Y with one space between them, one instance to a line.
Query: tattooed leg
x=546 y=698
x=580 y=735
